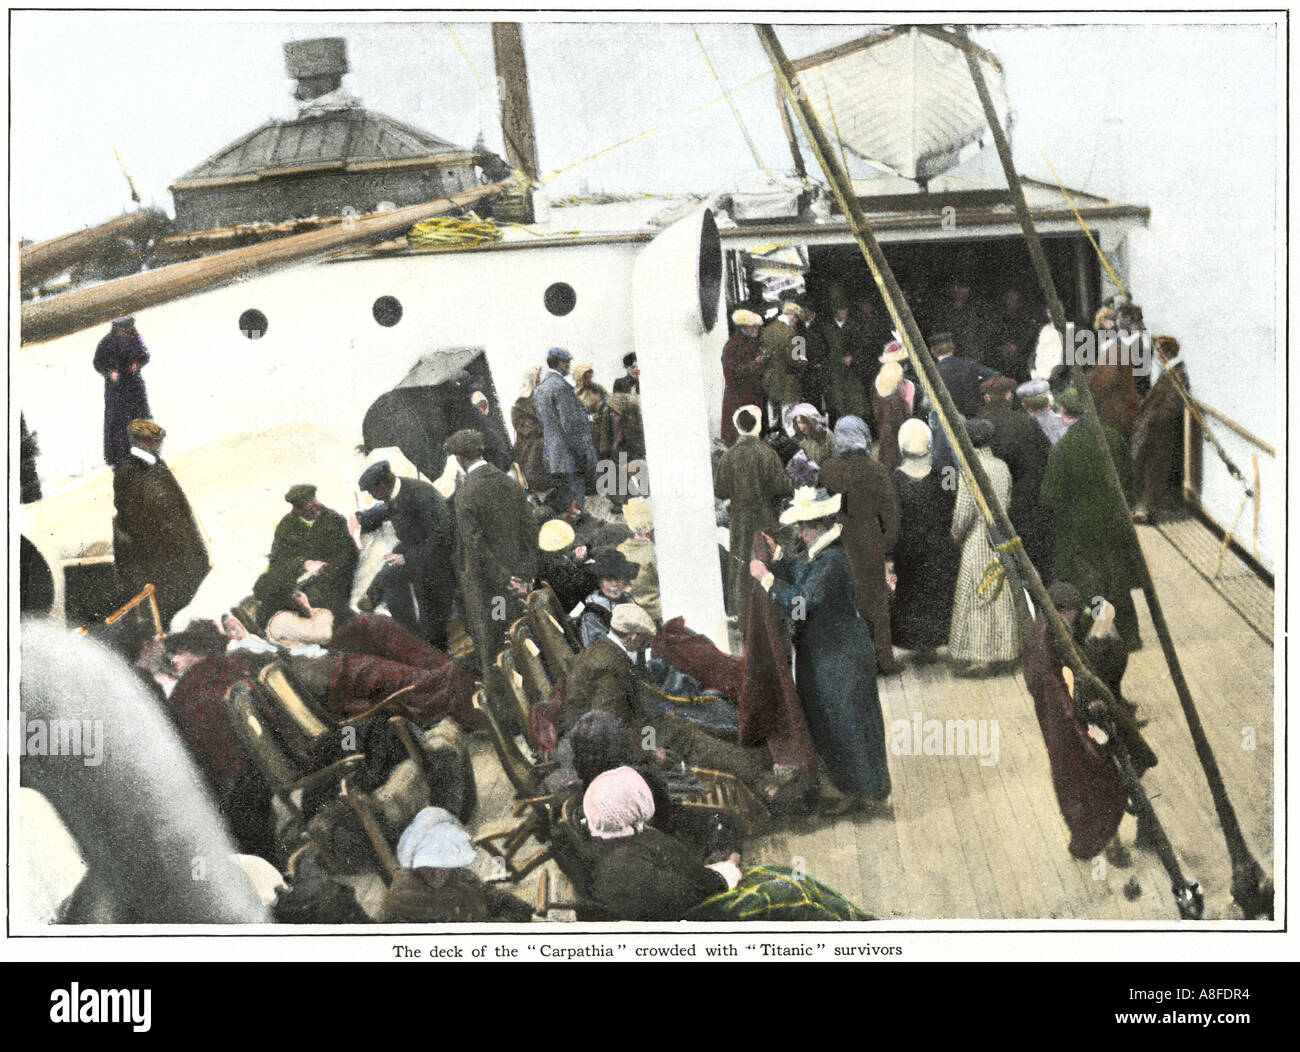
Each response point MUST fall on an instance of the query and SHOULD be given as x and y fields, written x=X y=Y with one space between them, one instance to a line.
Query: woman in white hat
x=925 y=559
x=835 y=662
x=742 y=370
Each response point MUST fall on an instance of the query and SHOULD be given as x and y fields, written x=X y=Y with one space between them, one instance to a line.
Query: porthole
x=560 y=299
x=253 y=324
x=387 y=311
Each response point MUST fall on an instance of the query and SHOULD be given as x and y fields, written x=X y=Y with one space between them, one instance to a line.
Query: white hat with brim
x=743 y=318
x=758 y=419
x=793 y=309
x=810 y=504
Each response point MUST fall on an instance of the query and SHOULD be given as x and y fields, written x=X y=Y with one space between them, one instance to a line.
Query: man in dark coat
x=962 y=376
x=751 y=476
x=1019 y=442
x=1093 y=548
x=416 y=583
x=496 y=545
x=156 y=539
x=1015 y=336
x=567 y=446
x=118 y=359
x=966 y=318
x=630 y=382
x=313 y=552
x=606 y=677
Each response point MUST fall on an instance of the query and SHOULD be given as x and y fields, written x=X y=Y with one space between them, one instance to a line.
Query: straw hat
x=638 y=515
x=554 y=536
x=742 y=318
x=894 y=352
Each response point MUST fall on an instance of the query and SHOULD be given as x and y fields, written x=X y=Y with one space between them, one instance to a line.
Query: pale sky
x=1185 y=117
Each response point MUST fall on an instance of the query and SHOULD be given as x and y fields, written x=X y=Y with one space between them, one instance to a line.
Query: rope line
x=735 y=112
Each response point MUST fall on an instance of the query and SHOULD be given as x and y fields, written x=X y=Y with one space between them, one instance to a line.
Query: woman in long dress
x=925 y=558
x=528 y=433
x=985 y=632
x=835 y=663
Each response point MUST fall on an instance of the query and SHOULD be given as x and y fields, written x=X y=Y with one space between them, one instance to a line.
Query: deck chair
x=725 y=794
x=509 y=684
x=278 y=768
x=353 y=827
x=534 y=807
x=301 y=724
x=552 y=632
x=530 y=665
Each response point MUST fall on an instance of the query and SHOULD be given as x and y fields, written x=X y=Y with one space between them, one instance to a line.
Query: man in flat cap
x=496 y=545
x=567 y=447
x=416 y=583
x=312 y=553
x=1019 y=442
x=118 y=359
x=156 y=539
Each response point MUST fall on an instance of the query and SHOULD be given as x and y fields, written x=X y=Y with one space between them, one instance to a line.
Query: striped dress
x=982 y=630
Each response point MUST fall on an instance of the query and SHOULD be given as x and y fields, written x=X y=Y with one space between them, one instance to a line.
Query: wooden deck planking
x=968 y=841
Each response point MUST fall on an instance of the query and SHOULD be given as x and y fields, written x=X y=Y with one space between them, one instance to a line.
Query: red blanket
x=696 y=655
x=1089 y=790
x=361 y=681
x=769 y=704
x=385 y=638
x=197 y=705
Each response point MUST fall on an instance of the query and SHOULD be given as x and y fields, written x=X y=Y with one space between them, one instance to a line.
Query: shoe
x=974 y=671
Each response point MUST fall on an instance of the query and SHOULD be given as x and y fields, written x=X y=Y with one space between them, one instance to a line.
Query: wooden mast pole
x=795 y=153
x=1252 y=893
x=516 y=108
x=55 y=316
x=1186 y=893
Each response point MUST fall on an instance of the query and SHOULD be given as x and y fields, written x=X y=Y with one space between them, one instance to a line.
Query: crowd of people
x=851 y=537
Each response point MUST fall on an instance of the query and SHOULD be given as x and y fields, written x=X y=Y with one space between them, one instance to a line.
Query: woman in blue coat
x=835 y=664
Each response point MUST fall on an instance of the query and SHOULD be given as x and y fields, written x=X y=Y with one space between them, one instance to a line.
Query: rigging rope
x=556 y=173
x=735 y=111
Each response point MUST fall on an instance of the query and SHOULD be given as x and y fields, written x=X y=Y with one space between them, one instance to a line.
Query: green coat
x=1093 y=549
x=297 y=541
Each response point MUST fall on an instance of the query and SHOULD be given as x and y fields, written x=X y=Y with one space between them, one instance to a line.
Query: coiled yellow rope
x=465 y=230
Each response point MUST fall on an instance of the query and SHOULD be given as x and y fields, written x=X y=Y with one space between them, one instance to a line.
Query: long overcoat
x=835 y=670
x=752 y=477
x=567 y=447
x=156 y=539
x=1093 y=548
x=870 y=517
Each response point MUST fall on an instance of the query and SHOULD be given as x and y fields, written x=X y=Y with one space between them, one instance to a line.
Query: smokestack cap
x=318 y=65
